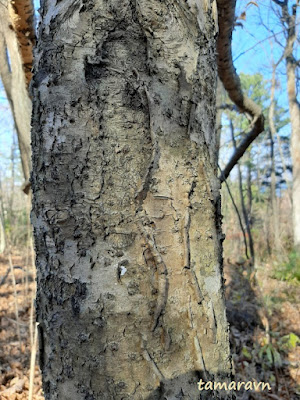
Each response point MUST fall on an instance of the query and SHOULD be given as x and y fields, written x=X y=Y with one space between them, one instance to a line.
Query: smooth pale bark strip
x=231 y=82
x=5 y=72
x=14 y=69
x=275 y=209
x=126 y=207
x=220 y=97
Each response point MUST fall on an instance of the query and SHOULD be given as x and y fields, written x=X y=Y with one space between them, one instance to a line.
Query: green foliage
x=255 y=87
x=270 y=355
x=246 y=353
x=290 y=270
x=289 y=341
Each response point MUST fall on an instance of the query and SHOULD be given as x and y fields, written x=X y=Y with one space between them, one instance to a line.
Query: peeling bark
x=21 y=15
x=126 y=204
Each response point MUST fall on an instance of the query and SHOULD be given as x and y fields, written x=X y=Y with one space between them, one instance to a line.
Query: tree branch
x=231 y=81
x=280 y=3
x=230 y=107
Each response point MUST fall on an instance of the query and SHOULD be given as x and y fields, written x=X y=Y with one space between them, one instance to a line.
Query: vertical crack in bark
x=145 y=185
x=214 y=320
x=188 y=265
x=199 y=292
x=197 y=342
x=187 y=222
x=153 y=363
x=140 y=196
x=163 y=283
x=41 y=346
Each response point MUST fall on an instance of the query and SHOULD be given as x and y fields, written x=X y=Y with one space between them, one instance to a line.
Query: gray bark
x=126 y=205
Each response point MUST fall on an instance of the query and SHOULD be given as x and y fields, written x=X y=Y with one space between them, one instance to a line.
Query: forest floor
x=15 y=346
x=264 y=316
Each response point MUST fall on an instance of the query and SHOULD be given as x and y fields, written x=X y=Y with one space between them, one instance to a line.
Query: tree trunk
x=16 y=41
x=295 y=148
x=288 y=20
x=219 y=102
x=126 y=207
x=243 y=205
x=249 y=188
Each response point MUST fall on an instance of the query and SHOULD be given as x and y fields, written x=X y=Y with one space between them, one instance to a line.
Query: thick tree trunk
x=126 y=206
x=288 y=20
x=295 y=148
x=16 y=41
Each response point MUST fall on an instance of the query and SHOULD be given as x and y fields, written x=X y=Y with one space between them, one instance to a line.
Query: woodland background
x=261 y=263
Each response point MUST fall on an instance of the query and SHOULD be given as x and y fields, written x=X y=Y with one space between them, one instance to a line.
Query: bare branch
x=231 y=81
x=237 y=213
x=281 y=3
x=240 y=150
x=230 y=107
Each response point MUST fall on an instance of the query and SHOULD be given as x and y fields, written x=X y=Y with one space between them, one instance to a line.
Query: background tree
x=17 y=38
x=152 y=96
x=262 y=170
x=288 y=16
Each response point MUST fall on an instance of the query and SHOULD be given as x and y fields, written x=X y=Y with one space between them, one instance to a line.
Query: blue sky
x=254 y=46
x=252 y=50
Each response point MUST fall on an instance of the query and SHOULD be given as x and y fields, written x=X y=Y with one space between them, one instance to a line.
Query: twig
x=237 y=213
x=15 y=296
x=32 y=363
x=29 y=243
x=273 y=396
x=3 y=280
x=31 y=320
x=5 y=276
x=15 y=322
